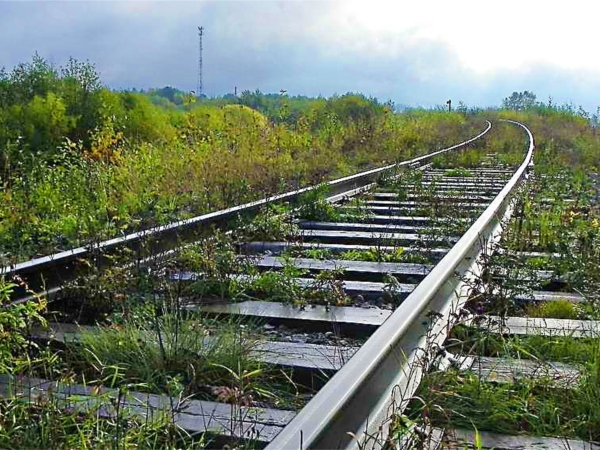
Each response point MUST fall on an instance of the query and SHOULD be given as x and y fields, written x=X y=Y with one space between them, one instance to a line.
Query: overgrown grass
x=526 y=406
x=164 y=352
x=77 y=172
x=49 y=425
x=315 y=207
x=559 y=309
x=49 y=422
x=459 y=172
x=274 y=224
x=533 y=405
x=558 y=348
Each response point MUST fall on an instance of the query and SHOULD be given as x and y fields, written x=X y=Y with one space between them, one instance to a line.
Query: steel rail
x=353 y=410
x=47 y=273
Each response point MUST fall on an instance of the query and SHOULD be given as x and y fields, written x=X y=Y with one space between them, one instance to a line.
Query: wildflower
x=572 y=215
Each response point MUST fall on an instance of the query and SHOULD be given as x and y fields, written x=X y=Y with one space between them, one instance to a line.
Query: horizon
x=413 y=55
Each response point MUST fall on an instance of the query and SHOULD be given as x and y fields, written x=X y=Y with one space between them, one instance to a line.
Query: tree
x=44 y=122
x=30 y=79
x=79 y=88
x=520 y=101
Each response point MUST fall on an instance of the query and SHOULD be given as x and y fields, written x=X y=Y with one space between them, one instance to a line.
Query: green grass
x=316 y=253
x=466 y=340
x=277 y=287
x=374 y=254
x=49 y=425
x=161 y=351
x=140 y=165
x=559 y=309
x=459 y=172
x=274 y=224
x=75 y=172
x=313 y=206
x=525 y=407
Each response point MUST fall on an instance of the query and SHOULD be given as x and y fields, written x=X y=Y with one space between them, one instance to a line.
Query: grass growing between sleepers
x=148 y=348
x=47 y=422
x=560 y=309
x=459 y=172
x=480 y=342
x=527 y=406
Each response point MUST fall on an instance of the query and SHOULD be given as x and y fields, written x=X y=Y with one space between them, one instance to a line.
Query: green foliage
x=375 y=254
x=45 y=121
x=318 y=253
x=154 y=351
x=527 y=406
x=42 y=106
x=216 y=263
x=460 y=172
x=561 y=217
x=48 y=424
x=277 y=287
x=557 y=348
x=273 y=224
x=315 y=207
x=284 y=285
x=15 y=323
x=559 y=309
x=79 y=162
x=328 y=288
x=520 y=101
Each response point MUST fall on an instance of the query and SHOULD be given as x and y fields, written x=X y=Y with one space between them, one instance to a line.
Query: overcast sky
x=412 y=52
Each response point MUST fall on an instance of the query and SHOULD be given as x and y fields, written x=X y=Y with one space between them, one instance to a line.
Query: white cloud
x=417 y=51
x=485 y=36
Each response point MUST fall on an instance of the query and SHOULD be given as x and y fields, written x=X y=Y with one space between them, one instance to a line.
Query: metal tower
x=200 y=84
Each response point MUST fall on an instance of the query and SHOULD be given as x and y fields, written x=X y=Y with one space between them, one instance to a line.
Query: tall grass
x=532 y=406
x=165 y=352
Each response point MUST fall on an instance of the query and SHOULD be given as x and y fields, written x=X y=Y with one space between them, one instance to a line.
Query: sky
x=418 y=53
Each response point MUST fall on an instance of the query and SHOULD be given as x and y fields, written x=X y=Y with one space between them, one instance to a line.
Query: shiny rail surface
x=354 y=408
x=46 y=275
x=383 y=373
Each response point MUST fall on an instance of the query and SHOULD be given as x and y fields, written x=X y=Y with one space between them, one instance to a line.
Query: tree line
x=79 y=161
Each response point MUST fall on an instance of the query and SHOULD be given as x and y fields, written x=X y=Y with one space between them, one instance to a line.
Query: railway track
x=372 y=281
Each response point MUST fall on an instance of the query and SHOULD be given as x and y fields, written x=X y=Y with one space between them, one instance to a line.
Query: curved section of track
x=47 y=274
x=378 y=379
x=352 y=409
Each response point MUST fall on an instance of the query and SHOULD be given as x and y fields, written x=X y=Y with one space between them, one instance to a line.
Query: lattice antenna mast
x=200 y=84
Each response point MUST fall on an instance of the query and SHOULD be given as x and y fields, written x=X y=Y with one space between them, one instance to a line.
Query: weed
x=278 y=287
x=313 y=205
x=559 y=309
x=156 y=351
x=15 y=323
x=376 y=254
x=528 y=406
x=49 y=424
x=355 y=210
x=458 y=172
x=465 y=340
x=217 y=268
x=317 y=253
x=275 y=224
x=328 y=288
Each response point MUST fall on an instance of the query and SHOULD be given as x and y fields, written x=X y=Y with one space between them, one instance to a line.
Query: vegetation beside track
x=81 y=163
x=557 y=217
